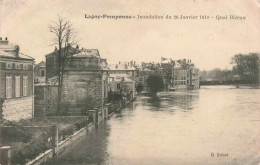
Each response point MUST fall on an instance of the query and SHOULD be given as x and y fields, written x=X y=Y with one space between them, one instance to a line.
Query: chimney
x=4 y=42
x=16 y=50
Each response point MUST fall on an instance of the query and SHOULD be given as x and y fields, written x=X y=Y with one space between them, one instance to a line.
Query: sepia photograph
x=129 y=82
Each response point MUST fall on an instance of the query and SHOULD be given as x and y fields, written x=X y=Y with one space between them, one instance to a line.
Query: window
x=16 y=66
x=8 y=65
x=25 y=85
x=17 y=86
x=42 y=74
x=8 y=86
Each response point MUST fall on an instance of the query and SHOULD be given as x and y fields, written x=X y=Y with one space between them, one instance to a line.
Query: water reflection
x=177 y=128
x=167 y=101
x=89 y=150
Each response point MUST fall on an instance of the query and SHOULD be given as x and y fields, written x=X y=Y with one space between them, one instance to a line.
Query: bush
x=30 y=150
x=139 y=88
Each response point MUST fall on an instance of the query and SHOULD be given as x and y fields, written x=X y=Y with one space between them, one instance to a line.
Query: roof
x=118 y=77
x=10 y=55
x=89 y=53
x=121 y=67
x=5 y=54
x=41 y=64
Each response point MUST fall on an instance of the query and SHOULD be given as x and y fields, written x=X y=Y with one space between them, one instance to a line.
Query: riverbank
x=241 y=86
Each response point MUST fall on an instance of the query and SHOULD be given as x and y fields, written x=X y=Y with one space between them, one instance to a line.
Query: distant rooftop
x=121 y=67
x=94 y=53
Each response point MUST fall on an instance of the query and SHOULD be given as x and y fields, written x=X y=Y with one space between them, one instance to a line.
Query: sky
x=208 y=43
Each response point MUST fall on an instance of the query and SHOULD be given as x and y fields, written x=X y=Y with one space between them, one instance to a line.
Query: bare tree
x=64 y=37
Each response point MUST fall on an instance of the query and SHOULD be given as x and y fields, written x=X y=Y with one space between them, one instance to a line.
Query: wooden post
x=5 y=155
x=55 y=139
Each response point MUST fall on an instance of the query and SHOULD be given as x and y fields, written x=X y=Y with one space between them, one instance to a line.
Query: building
x=85 y=76
x=128 y=68
x=185 y=75
x=122 y=83
x=17 y=81
x=40 y=72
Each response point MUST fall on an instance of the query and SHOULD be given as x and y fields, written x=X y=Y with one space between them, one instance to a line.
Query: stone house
x=122 y=83
x=85 y=75
x=128 y=68
x=40 y=72
x=17 y=81
x=185 y=75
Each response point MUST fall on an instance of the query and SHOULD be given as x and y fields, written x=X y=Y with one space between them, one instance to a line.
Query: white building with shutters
x=16 y=87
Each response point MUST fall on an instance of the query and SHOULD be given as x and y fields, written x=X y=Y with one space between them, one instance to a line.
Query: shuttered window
x=25 y=85
x=8 y=86
x=17 y=86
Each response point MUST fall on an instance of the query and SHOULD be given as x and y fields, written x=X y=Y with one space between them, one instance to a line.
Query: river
x=213 y=125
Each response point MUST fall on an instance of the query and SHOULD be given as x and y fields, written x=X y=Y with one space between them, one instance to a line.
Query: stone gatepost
x=5 y=155
x=55 y=139
x=86 y=121
x=106 y=110
x=103 y=112
x=92 y=115
x=97 y=115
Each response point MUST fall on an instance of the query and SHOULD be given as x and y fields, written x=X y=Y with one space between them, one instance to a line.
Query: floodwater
x=213 y=125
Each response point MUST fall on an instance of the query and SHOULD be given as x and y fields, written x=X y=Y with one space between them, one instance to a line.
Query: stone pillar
x=55 y=139
x=92 y=115
x=106 y=111
x=5 y=155
x=97 y=115
x=103 y=112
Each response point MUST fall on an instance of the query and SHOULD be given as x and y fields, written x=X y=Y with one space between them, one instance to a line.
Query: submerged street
x=213 y=125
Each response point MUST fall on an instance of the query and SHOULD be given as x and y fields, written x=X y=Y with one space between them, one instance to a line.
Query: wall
x=18 y=108
x=80 y=84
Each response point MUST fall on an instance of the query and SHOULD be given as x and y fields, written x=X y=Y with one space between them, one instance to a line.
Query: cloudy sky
x=208 y=43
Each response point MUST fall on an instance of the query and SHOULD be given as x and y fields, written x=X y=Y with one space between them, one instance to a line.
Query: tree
x=247 y=66
x=139 y=87
x=155 y=83
x=64 y=37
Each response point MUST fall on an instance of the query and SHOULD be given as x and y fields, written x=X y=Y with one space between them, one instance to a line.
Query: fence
x=55 y=138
